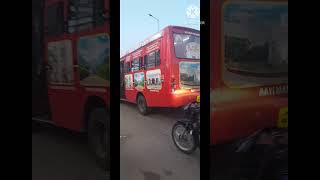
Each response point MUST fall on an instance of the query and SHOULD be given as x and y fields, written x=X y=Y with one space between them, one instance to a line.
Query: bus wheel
x=142 y=105
x=99 y=136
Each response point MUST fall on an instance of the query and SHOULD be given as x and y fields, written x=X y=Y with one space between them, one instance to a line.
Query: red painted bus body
x=162 y=83
x=69 y=101
x=247 y=97
x=70 y=69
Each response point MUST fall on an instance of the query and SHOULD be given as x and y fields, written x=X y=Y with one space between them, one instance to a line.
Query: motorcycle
x=261 y=156
x=186 y=132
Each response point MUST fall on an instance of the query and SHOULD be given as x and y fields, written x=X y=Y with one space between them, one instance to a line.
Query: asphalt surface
x=147 y=151
x=60 y=154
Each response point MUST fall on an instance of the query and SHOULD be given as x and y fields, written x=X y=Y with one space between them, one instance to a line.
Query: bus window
x=187 y=46
x=141 y=67
x=255 y=43
x=145 y=61
x=127 y=67
x=98 y=15
x=84 y=15
x=152 y=60
x=157 y=58
x=55 y=19
x=135 y=65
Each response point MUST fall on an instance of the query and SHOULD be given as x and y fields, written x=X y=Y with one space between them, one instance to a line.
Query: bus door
x=122 y=82
x=59 y=60
x=40 y=100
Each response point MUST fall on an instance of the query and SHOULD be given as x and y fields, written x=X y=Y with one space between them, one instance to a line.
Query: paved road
x=60 y=154
x=146 y=148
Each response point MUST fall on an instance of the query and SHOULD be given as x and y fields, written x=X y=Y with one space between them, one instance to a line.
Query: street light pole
x=155 y=19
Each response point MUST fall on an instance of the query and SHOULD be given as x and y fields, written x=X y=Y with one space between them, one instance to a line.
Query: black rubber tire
x=195 y=139
x=99 y=136
x=142 y=105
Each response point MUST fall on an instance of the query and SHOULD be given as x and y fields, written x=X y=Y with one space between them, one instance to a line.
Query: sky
x=136 y=25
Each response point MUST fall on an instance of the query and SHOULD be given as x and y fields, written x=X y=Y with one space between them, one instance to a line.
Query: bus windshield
x=187 y=46
x=256 y=38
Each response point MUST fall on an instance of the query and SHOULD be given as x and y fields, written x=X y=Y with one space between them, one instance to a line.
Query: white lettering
x=263 y=92
x=273 y=91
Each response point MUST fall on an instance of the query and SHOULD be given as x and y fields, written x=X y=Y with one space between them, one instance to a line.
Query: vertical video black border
x=205 y=88
x=114 y=90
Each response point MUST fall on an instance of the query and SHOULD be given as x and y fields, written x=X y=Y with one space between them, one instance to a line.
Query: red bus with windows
x=249 y=89
x=71 y=69
x=163 y=71
x=249 y=67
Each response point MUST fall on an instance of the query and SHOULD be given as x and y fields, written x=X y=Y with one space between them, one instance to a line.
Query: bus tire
x=142 y=105
x=99 y=136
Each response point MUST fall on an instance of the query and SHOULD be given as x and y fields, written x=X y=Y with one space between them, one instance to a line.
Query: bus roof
x=152 y=38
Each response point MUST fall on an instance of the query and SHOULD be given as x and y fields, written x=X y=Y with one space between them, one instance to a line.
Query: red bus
x=71 y=71
x=249 y=67
x=163 y=71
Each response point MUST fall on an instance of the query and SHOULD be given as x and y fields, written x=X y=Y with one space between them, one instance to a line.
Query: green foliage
x=103 y=70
